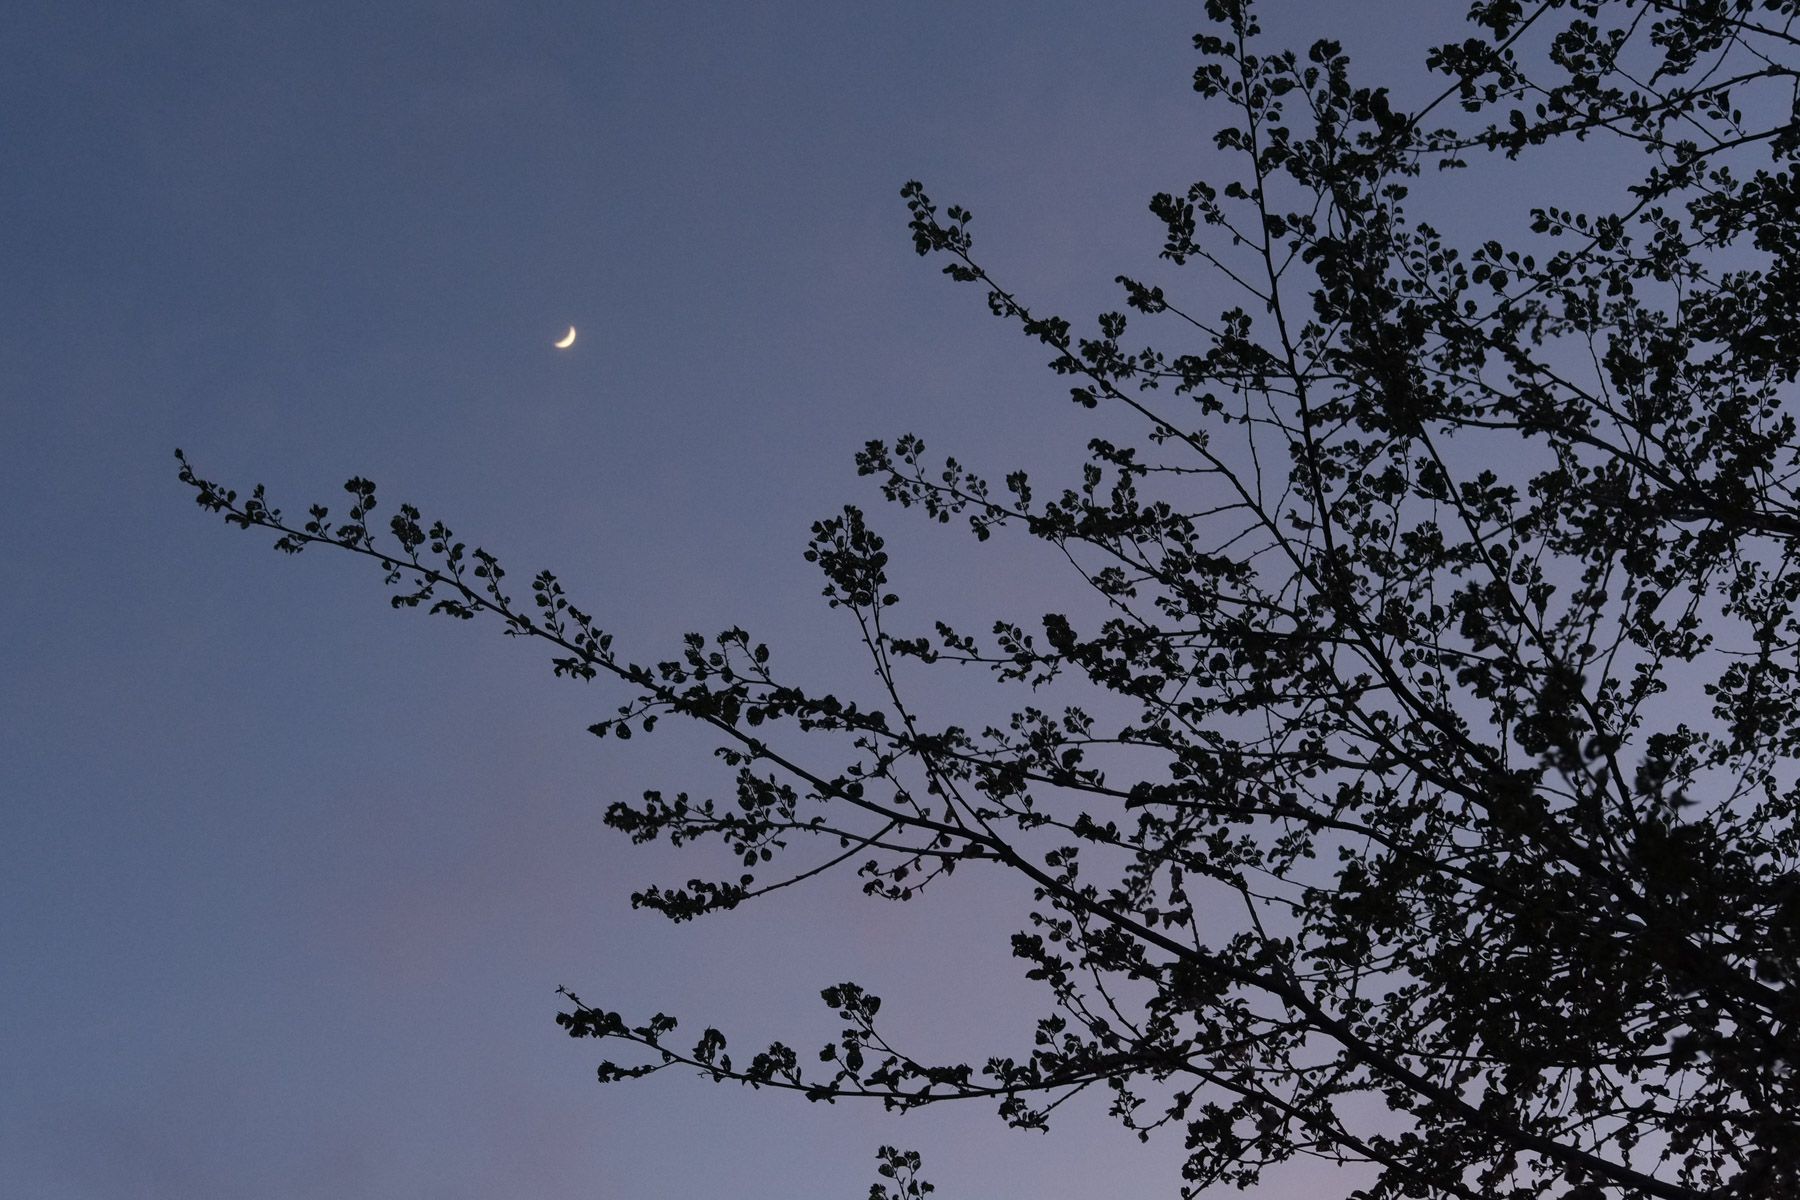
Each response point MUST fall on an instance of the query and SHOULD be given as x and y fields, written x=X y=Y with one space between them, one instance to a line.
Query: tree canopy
x=1419 y=788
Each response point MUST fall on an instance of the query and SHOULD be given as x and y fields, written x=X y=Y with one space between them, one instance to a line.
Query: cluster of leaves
x=1431 y=801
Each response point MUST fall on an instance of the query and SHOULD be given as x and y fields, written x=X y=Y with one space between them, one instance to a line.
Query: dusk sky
x=288 y=879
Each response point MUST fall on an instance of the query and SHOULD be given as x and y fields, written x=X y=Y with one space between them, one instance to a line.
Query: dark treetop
x=1415 y=785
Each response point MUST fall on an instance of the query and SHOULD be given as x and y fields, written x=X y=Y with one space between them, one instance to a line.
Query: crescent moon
x=568 y=340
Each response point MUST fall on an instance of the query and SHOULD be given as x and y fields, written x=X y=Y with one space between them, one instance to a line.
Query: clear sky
x=287 y=879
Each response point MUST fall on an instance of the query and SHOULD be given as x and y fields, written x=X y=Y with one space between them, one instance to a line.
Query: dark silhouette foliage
x=1425 y=796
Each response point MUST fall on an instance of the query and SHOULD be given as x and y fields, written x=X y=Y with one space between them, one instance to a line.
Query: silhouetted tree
x=1428 y=796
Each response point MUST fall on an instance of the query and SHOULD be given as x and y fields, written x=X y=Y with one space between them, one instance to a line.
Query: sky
x=287 y=879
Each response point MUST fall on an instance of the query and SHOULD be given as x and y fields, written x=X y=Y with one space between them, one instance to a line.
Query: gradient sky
x=287 y=879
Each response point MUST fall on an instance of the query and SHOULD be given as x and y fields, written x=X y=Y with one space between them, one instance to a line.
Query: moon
x=568 y=340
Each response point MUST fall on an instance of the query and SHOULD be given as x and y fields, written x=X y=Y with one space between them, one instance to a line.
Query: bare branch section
x=1418 y=790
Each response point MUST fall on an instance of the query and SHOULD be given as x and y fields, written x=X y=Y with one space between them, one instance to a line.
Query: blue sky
x=288 y=879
